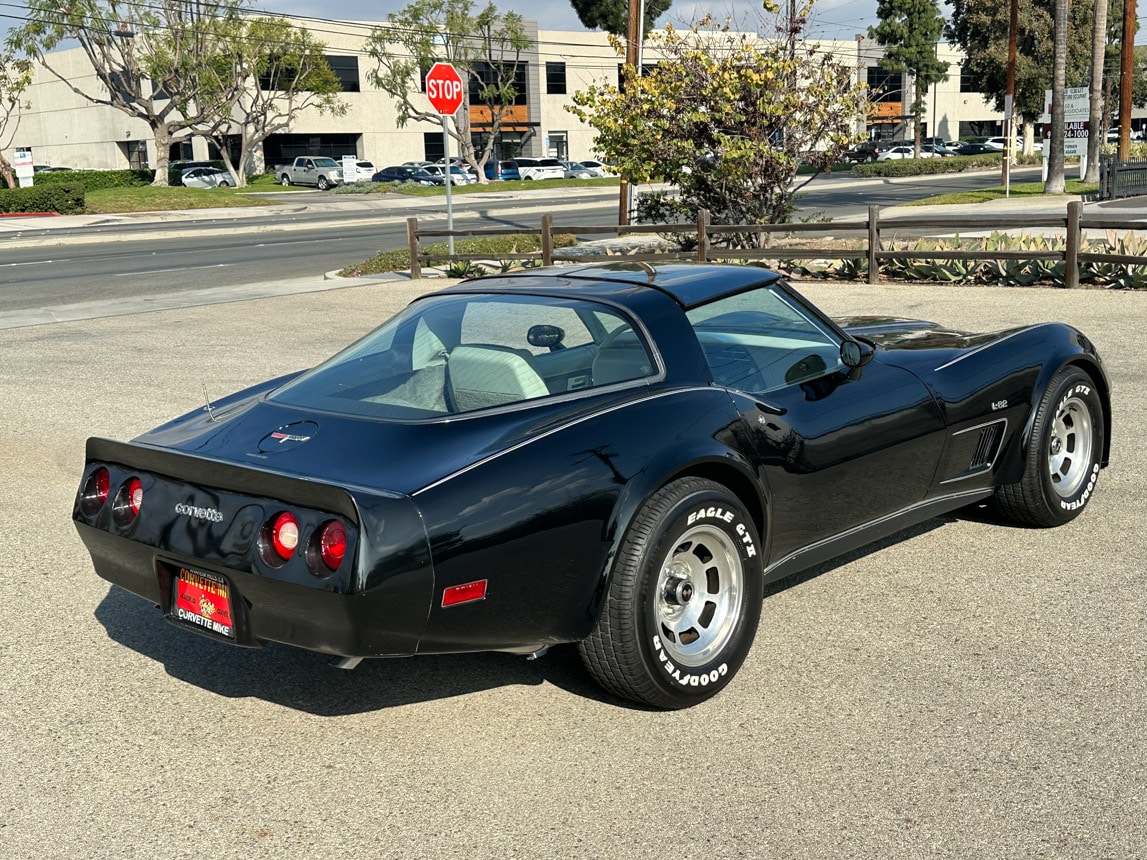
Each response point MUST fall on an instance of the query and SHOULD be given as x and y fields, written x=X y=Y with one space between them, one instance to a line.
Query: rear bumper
x=385 y=621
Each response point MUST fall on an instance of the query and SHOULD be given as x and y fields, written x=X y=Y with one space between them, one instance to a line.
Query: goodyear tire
x=1063 y=455
x=684 y=599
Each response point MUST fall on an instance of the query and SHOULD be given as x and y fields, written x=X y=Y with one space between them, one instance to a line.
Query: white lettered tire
x=684 y=598
x=1063 y=456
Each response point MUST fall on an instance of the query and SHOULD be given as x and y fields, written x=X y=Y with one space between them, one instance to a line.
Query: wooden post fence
x=1074 y=255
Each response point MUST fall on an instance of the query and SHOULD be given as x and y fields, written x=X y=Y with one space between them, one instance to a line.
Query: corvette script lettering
x=210 y=514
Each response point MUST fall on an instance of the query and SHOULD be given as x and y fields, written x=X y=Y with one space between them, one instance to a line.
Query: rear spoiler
x=248 y=480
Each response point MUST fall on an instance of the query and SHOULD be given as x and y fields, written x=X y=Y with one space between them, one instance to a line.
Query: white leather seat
x=482 y=376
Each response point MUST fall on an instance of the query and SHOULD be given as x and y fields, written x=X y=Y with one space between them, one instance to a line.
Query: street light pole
x=1010 y=99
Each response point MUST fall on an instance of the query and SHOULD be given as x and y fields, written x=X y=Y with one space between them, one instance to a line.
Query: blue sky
x=830 y=19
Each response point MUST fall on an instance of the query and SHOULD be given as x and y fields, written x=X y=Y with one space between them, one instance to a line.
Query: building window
x=968 y=82
x=486 y=75
x=885 y=86
x=346 y=70
x=646 y=68
x=558 y=145
x=136 y=151
x=556 y=79
x=432 y=145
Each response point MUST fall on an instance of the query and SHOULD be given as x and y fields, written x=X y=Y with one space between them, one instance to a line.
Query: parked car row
x=885 y=150
x=433 y=173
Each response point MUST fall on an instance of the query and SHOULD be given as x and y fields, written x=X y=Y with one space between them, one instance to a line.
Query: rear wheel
x=284 y=180
x=1063 y=454
x=684 y=599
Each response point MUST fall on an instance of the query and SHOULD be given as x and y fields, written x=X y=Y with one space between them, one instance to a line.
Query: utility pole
x=1126 y=78
x=631 y=59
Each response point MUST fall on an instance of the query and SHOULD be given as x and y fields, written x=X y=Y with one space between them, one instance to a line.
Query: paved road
x=64 y=260
x=966 y=691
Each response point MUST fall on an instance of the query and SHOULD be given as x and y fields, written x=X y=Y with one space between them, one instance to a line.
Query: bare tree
x=485 y=48
x=267 y=72
x=15 y=75
x=146 y=57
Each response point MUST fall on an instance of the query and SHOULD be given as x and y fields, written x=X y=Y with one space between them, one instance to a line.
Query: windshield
x=325 y=162
x=759 y=341
x=454 y=354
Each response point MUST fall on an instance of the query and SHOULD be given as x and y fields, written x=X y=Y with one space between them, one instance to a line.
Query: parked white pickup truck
x=321 y=172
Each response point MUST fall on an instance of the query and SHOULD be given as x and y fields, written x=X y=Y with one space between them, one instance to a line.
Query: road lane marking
x=177 y=269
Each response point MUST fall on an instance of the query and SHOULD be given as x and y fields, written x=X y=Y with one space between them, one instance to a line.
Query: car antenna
x=207 y=397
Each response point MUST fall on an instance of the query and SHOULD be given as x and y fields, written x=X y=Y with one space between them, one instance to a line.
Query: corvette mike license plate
x=203 y=600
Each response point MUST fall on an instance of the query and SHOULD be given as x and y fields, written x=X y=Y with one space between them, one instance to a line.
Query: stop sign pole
x=444 y=89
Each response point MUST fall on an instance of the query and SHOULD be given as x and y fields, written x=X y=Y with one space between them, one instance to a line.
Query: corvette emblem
x=288 y=436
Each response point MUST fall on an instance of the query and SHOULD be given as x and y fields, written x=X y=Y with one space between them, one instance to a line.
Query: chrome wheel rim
x=1069 y=447
x=699 y=592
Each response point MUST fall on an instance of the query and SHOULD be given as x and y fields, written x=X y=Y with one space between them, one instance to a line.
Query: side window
x=759 y=341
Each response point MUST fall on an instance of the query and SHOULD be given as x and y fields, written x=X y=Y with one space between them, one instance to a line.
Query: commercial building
x=62 y=128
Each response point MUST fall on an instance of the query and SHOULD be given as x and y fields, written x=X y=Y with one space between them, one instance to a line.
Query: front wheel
x=323 y=184
x=684 y=599
x=1063 y=456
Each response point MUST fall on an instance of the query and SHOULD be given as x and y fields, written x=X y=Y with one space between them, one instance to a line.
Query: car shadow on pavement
x=307 y=681
x=866 y=550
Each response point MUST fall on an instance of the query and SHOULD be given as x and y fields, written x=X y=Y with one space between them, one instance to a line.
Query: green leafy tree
x=980 y=29
x=909 y=31
x=612 y=16
x=147 y=57
x=720 y=118
x=15 y=76
x=265 y=72
x=486 y=49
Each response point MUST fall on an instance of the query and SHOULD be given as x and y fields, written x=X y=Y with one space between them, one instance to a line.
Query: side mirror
x=550 y=336
x=856 y=353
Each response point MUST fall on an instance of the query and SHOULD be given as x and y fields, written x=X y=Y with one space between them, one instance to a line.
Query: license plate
x=203 y=600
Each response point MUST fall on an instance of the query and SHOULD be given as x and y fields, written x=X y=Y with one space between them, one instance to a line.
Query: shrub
x=362 y=187
x=92 y=180
x=66 y=198
x=494 y=247
x=927 y=166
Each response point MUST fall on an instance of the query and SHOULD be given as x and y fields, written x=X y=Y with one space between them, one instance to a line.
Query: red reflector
x=456 y=594
x=332 y=544
x=135 y=495
x=95 y=492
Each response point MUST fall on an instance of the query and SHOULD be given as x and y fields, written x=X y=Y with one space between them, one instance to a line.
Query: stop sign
x=444 y=88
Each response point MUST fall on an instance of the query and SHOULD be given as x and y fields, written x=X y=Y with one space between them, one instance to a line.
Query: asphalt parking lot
x=966 y=690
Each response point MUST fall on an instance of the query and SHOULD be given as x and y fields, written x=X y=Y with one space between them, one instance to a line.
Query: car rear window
x=453 y=354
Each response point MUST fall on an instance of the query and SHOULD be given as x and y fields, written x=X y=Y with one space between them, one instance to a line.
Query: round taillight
x=284 y=535
x=95 y=492
x=332 y=544
x=128 y=501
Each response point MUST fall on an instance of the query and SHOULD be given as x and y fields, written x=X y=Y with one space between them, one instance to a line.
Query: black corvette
x=615 y=456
